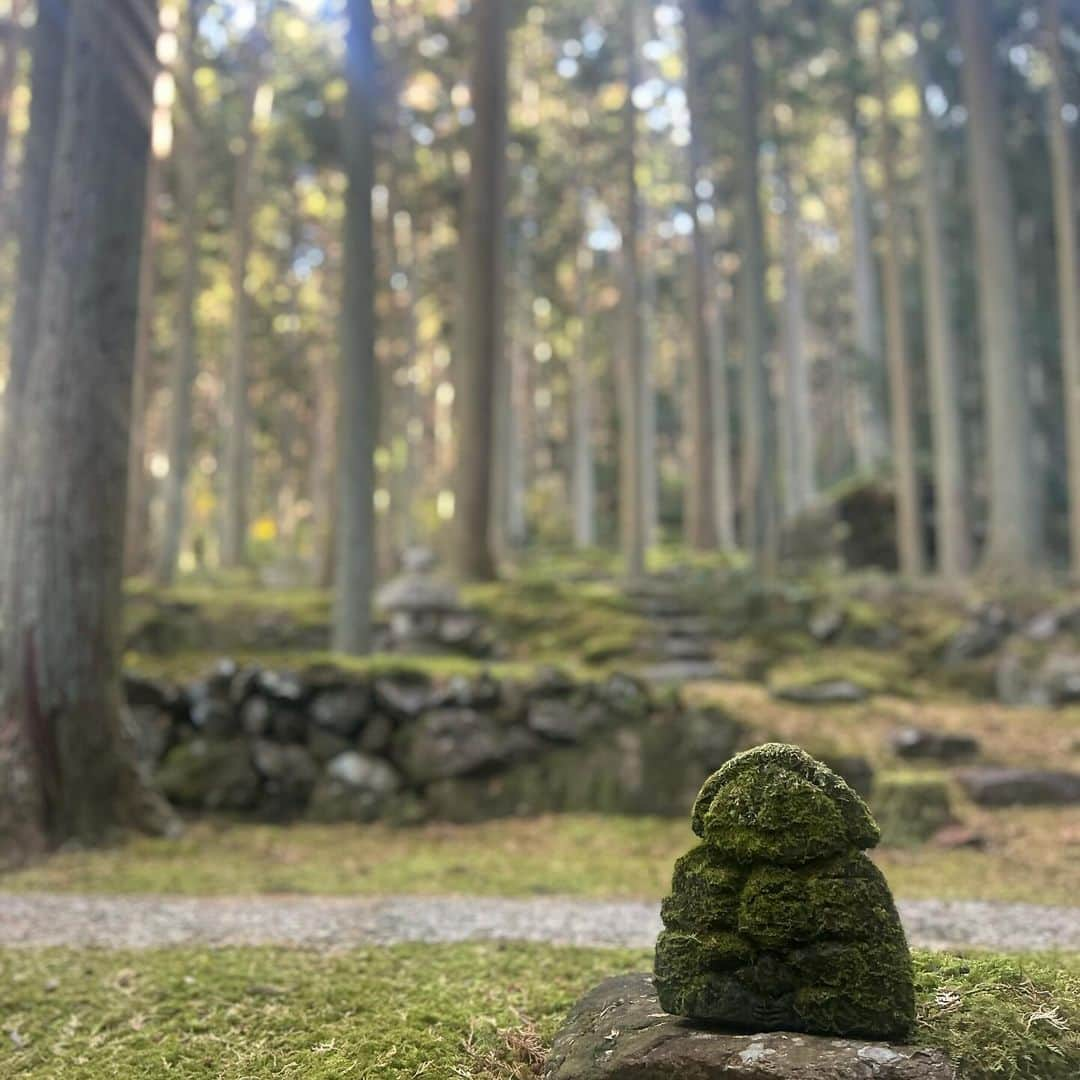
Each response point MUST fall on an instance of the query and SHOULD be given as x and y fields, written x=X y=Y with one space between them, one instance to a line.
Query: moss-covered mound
x=778 y=921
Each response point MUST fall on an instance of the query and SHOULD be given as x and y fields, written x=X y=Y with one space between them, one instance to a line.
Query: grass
x=407 y=1012
x=1034 y=856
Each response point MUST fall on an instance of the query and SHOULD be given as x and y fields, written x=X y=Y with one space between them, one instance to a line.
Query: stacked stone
x=778 y=920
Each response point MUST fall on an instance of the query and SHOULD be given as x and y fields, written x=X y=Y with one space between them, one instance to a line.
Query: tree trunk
x=723 y=474
x=518 y=412
x=905 y=478
x=185 y=359
x=237 y=432
x=800 y=487
x=583 y=467
x=483 y=243
x=1064 y=177
x=137 y=529
x=1014 y=537
x=359 y=377
x=9 y=66
x=869 y=435
x=66 y=753
x=46 y=79
x=951 y=494
x=323 y=484
x=758 y=496
x=632 y=508
x=701 y=490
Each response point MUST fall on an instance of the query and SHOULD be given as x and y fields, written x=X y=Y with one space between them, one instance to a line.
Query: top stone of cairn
x=777 y=920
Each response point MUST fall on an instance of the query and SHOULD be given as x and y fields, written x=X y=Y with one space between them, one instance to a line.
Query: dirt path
x=136 y=922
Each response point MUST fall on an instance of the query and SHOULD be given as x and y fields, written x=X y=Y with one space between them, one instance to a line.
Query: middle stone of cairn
x=777 y=921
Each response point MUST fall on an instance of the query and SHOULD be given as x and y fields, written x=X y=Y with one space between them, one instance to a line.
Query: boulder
x=214 y=718
x=564 y=720
x=821 y=692
x=447 y=743
x=919 y=744
x=343 y=710
x=777 y=920
x=855 y=770
x=325 y=745
x=355 y=787
x=402 y=695
x=912 y=807
x=995 y=787
x=984 y=633
x=827 y=623
x=153 y=731
x=256 y=715
x=1038 y=680
x=289 y=774
x=619 y=1031
x=140 y=692
x=210 y=774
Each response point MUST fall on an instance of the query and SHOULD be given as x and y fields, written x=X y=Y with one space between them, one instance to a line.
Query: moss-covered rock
x=912 y=806
x=778 y=921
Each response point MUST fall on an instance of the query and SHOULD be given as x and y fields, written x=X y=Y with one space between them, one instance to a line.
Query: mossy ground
x=438 y=1012
x=1033 y=856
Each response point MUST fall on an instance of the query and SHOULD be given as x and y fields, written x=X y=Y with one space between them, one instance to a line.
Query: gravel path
x=136 y=922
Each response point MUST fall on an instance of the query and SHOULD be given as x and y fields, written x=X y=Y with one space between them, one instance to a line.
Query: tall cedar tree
x=67 y=761
x=1014 y=540
x=482 y=338
x=359 y=412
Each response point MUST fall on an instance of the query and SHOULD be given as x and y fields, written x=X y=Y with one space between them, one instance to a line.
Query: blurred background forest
x=751 y=259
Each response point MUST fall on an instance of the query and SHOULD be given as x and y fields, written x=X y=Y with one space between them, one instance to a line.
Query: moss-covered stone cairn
x=777 y=920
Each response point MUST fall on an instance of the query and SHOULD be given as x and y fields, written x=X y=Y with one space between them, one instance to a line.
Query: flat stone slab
x=619 y=1032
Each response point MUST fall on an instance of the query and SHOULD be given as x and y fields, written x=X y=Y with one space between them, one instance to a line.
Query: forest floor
x=481 y=1011
x=332 y=1004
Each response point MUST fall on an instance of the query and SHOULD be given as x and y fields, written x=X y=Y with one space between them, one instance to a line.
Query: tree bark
x=583 y=465
x=951 y=494
x=137 y=530
x=185 y=359
x=905 y=478
x=358 y=418
x=869 y=435
x=1064 y=180
x=723 y=473
x=483 y=331
x=66 y=754
x=1014 y=535
x=632 y=508
x=800 y=486
x=701 y=491
x=8 y=72
x=238 y=410
x=49 y=45
x=758 y=496
x=517 y=414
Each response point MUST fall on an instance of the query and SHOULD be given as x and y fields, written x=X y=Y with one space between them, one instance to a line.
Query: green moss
x=785 y=906
x=470 y=1011
x=777 y=803
x=704 y=893
x=877 y=672
x=816 y=944
x=911 y=806
x=254 y=1014
x=1000 y=1018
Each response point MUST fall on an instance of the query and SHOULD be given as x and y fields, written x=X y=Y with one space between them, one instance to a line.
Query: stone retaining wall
x=397 y=746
